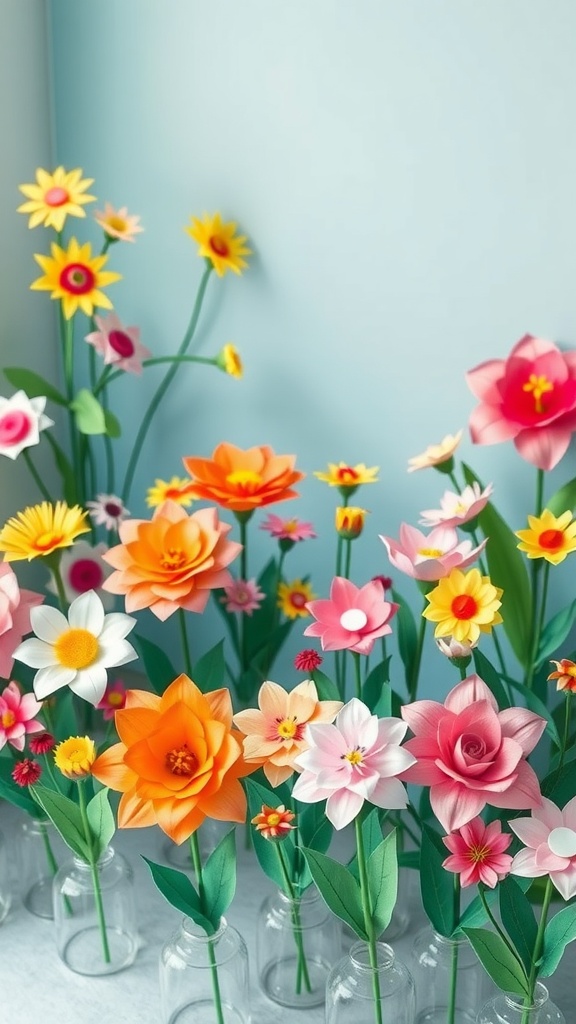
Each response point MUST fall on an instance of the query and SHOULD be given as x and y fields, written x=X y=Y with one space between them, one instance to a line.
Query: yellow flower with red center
x=436 y=454
x=550 y=537
x=293 y=597
x=273 y=822
x=228 y=359
x=119 y=225
x=55 y=197
x=219 y=243
x=174 y=489
x=349 y=521
x=463 y=605
x=565 y=675
x=348 y=478
x=41 y=529
x=75 y=756
x=75 y=277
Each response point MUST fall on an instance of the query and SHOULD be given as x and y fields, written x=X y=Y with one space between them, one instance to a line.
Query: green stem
x=495 y=924
x=566 y=736
x=36 y=476
x=538 y=624
x=339 y=547
x=95 y=876
x=301 y=965
x=163 y=386
x=185 y=644
x=537 y=953
x=197 y=861
x=535 y=573
x=454 y=958
x=55 y=567
x=368 y=921
x=107 y=378
x=348 y=559
x=68 y=359
x=415 y=673
x=357 y=674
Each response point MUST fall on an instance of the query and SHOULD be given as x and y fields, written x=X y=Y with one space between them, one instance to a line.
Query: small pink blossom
x=107 y=510
x=456 y=509
x=287 y=529
x=243 y=596
x=18 y=716
x=357 y=758
x=113 y=700
x=352 y=618
x=433 y=556
x=119 y=345
x=21 y=421
x=477 y=853
x=550 y=840
x=26 y=772
x=471 y=754
x=82 y=569
x=453 y=648
x=15 y=606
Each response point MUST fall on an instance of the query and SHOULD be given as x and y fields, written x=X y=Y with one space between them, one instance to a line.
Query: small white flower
x=82 y=568
x=76 y=651
x=454 y=648
x=107 y=510
x=21 y=420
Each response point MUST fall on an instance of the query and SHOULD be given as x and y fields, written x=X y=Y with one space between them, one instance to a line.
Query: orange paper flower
x=243 y=480
x=178 y=761
x=172 y=561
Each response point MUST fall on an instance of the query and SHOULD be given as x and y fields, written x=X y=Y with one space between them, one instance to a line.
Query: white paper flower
x=21 y=420
x=82 y=568
x=76 y=651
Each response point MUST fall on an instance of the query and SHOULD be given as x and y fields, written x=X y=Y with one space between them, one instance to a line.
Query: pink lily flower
x=352 y=618
x=433 y=556
x=17 y=716
x=550 y=838
x=457 y=509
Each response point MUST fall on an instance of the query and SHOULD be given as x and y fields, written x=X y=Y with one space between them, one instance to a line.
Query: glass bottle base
x=203 y=1011
x=278 y=981
x=38 y=899
x=83 y=953
x=439 y=1015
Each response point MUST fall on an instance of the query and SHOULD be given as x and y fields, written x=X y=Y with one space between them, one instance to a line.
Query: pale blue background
x=405 y=173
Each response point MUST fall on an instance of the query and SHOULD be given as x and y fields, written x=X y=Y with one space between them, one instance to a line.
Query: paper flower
x=294 y=597
x=550 y=838
x=75 y=756
x=463 y=606
x=26 y=772
x=21 y=421
x=107 y=510
x=119 y=225
x=82 y=568
x=349 y=521
x=347 y=478
x=471 y=754
x=352 y=618
x=287 y=529
x=18 y=716
x=457 y=509
x=114 y=698
x=436 y=454
x=228 y=359
x=119 y=346
x=452 y=648
x=565 y=675
x=55 y=196
x=548 y=536
x=76 y=277
x=357 y=758
x=430 y=557
x=243 y=479
x=273 y=822
x=171 y=562
x=274 y=733
x=175 y=489
x=41 y=529
x=15 y=607
x=76 y=651
x=477 y=853
x=219 y=243
x=43 y=743
x=307 y=660
x=242 y=596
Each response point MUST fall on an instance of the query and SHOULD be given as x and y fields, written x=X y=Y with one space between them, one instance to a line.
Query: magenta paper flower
x=242 y=596
x=471 y=754
x=550 y=838
x=353 y=617
x=17 y=716
x=433 y=556
x=357 y=758
x=119 y=345
x=456 y=509
x=21 y=421
x=529 y=398
x=287 y=529
x=107 y=510
x=15 y=606
x=477 y=853
x=113 y=700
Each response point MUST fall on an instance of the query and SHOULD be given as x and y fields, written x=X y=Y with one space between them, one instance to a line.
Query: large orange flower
x=243 y=480
x=172 y=561
x=178 y=761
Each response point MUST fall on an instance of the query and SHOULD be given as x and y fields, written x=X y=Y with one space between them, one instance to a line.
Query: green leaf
x=563 y=499
x=210 y=669
x=89 y=414
x=475 y=915
x=560 y=786
x=405 y=629
x=314 y=829
x=67 y=819
x=178 y=890
x=560 y=931
x=533 y=703
x=325 y=687
x=219 y=878
x=555 y=632
x=437 y=884
x=69 y=488
x=518 y=920
x=101 y=821
x=66 y=722
x=371 y=838
x=157 y=665
x=383 y=882
x=338 y=888
x=376 y=690
x=488 y=673
x=33 y=384
x=504 y=968
x=265 y=850
x=112 y=424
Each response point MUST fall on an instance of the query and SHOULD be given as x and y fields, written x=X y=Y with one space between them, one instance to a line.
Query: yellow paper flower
x=119 y=225
x=41 y=529
x=292 y=598
x=76 y=277
x=55 y=196
x=174 y=489
x=436 y=454
x=349 y=521
x=219 y=243
x=549 y=536
x=464 y=605
x=348 y=478
x=75 y=756
x=228 y=359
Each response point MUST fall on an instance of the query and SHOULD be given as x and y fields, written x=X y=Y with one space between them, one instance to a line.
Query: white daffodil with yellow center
x=76 y=651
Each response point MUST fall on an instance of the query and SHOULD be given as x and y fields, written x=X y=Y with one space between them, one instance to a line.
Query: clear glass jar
x=298 y=942
x=41 y=851
x=509 y=1009
x=357 y=993
x=445 y=970
x=95 y=930
x=5 y=886
x=196 y=970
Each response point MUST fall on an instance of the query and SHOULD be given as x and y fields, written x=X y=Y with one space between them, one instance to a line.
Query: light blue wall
x=405 y=172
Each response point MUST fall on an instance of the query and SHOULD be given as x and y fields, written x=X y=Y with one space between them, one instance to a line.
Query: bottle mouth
x=540 y=997
x=310 y=895
x=104 y=859
x=195 y=932
x=360 y=956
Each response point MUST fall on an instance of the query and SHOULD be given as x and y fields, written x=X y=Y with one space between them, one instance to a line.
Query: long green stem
x=537 y=953
x=539 y=614
x=566 y=736
x=36 y=476
x=197 y=861
x=164 y=385
x=95 y=876
x=109 y=375
x=368 y=920
x=68 y=360
x=415 y=673
x=185 y=644
x=54 y=563
x=534 y=575
x=301 y=965
x=357 y=674
x=452 y=993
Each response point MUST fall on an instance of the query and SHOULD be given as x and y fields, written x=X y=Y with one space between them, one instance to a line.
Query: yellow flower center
x=8 y=719
x=552 y=540
x=246 y=479
x=464 y=606
x=273 y=819
x=430 y=552
x=538 y=385
x=116 y=223
x=354 y=756
x=47 y=541
x=287 y=728
x=76 y=648
x=181 y=761
x=477 y=853
x=290 y=525
x=116 y=698
x=173 y=558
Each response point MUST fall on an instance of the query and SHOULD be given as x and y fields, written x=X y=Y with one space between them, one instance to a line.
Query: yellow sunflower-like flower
x=292 y=598
x=41 y=529
x=550 y=537
x=219 y=243
x=348 y=478
x=55 y=197
x=464 y=605
x=76 y=277
x=174 y=489
x=228 y=359
x=75 y=756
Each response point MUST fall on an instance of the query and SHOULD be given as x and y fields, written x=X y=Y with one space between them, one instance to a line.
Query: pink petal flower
x=15 y=607
x=456 y=509
x=17 y=716
x=21 y=421
x=478 y=853
x=550 y=839
x=353 y=617
x=430 y=557
x=119 y=345
x=287 y=529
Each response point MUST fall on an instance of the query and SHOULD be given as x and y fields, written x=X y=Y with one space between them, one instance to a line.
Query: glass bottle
x=510 y=1009
x=451 y=983
x=298 y=942
x=41 y=851
x=357 y=993
x=5 y=886
x=95 y=924
x=197 y=971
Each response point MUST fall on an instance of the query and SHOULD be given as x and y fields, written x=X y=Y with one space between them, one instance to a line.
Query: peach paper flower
x=243 y=479
x=565 y=675
x=433 y=556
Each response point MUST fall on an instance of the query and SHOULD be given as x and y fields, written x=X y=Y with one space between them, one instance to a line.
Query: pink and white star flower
x=21 y=421
x=15 y=607
x=82 y=568
x=477 y=853
x=287 y=529
x=17 y=716
x=353 y=618
x=456 y=509
x=433 y=556
x=357 y=758
x=242 y=596
x=120 y=346
x=550 y=839
x=107 y=510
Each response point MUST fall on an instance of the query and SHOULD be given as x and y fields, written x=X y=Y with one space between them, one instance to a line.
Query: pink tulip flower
x=471 y=754
x=550 y=838
x=15 y=605
x=433 y=556
x=529 y=398
x=477 y=853
x=353 y=617
x=17 y=716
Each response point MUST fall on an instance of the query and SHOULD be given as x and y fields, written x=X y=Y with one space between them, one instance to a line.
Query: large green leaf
x=325 y=687
x=376 y=692
x=219 y=878
x=533 y=703
x=157 y=665
x=518 y=919
x=559 y=932
x=177 y=888
x=560 y=786
x=101 y=821
x=339 y=890
x=19 y=796
x=371 y=838
x=88 y=412
x=555 y=632
x=33 y=384
x=112 y=424
x=382 y=870
x=475 y=915
x=405 y=629
x=488 y=673
x=504 y=968
x=67 y=819
x=437 y=884
x=210 y=669
x=564 y=499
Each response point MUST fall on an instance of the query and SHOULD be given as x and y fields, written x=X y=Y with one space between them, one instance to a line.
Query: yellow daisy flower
x=75 y=756
x=292 y=598
x=464 y=605
x=348 y=478
x=228 y=359
x=76 y=277
x=174 y=489
x=41 y=529
x=549 y=536
x=119 y=225
x=219 y=243
x=55 y=196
